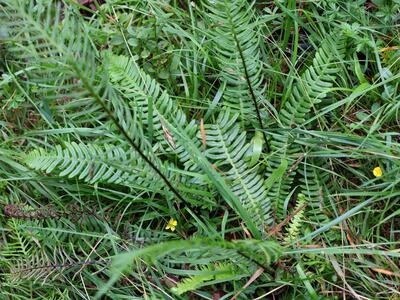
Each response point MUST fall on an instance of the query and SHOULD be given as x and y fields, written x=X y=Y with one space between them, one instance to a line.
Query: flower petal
x=377 y=172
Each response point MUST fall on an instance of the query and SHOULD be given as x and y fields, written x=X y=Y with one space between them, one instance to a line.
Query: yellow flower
x=377 y=172
x=172 y=224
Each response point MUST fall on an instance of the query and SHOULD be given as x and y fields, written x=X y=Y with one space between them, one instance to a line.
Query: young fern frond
x=297 y=221
x=311 y=88
x=227 y=147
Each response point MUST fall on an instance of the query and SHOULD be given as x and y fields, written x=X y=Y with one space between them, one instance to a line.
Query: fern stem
x=126 y=135
x=253 y=95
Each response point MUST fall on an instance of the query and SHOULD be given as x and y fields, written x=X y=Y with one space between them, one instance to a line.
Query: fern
x=37 y=267
x=92 y=163
x=236 y=43
x=41 y=266
x=208 y=275
x=167 y=121
x=297 y=222
x=56 y=54
x=50 y=51
x=254 y=252
x=137 y=86
x=39 y=255
x=314 y=185
x=227 y=148
x=18 y=245
x=145 y=96
x=142 y=111
x=313 y=86
x=109 y=164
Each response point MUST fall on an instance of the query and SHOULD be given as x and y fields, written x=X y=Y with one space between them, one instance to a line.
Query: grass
x=199 y=149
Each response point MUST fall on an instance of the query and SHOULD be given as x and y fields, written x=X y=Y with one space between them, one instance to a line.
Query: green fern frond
x=297 y=221
x=18 y=245
x=163 y=117
x=227 y=147
x=50 y=44
x=315 y=186
x=92 y=163
x=208 y=275
x=315 y=83
x=237 y=49
x=255 y=252
x=152 y=103
x=41 y=266
x=313 y=86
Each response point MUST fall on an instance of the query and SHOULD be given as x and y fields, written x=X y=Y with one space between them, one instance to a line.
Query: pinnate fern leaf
x=236 y=43
x=312 y=87
x=227 y=148
x=92 y=163
x=151 y=102
x=209 y=274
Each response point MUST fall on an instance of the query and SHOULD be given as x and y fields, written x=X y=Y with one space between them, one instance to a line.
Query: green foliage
x=296 y=223
x=308 y=91
x=236 y=44
x=155 y=107
x=207 y=275
x=254 y=126
x=227 y=149
x=92 y=163
x=255 y=252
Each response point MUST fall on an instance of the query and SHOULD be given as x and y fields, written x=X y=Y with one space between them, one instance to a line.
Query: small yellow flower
x=172 y=224
x=377 y=172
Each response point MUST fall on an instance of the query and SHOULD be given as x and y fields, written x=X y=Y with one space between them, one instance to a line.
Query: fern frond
x=208 y=275
x=256 y=252
x=50 y=47
x=297 y=221
x=236 y=43
x=18 y=244
x=227 y=149
x=315 y=186
x=312 y=87
x=146 y=98
x=41 y=267
x=92 y=163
